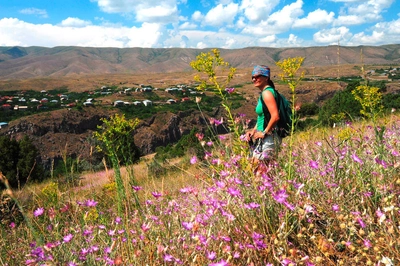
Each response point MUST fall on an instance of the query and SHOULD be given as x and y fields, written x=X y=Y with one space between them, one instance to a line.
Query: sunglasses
x=255 y=78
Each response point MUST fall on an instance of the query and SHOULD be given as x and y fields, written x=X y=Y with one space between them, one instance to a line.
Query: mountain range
x=34 y=62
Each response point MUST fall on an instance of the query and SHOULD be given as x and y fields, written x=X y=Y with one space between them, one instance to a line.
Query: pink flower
x=356 y=158
x=193 y=160
x=67 y=238
x=187 y=225
x=38 y=212
x=90 y=203
x=313 y=164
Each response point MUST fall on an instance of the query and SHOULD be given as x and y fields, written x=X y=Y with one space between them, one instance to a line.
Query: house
x=147 y=103
x=44 y=100
x=137 y=103
x=171 y=101
x=119 y=103
x=54 y=101
x=3 y=124
x=63 y=97
x=6 y=106
x=88 y=103
x=34 y=100
x=185 y=99
x=43 y=91
x=147 y=89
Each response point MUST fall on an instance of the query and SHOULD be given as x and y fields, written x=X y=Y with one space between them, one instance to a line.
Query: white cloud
x=151 y=11
x=332 y=36
x=257 y=10
x=315 y=19
x=277 y=22
x=187 y=26
x=197 y=16
x=75 y=22
x=161 y=13
x=16 y=32
x=34 y=11
x=268 y=39
x=359 y=12
x=221 y=15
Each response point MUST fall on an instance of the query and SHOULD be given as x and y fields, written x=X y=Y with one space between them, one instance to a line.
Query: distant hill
x=34 y=62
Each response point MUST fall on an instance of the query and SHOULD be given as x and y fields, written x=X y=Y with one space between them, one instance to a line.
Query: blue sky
x=198 y=23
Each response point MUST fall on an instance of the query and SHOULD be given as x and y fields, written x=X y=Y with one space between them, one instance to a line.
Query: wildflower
x=187 y=225
x=12 y=225
x=380 y=215
x=243 y=137
x=156 y=194
x=72 y=264
x=229 y=90
x=220 y=263
x=90 y=203
x=361 y=222
x=67 y=238
x=136 y=188
x=335 y=208
x=367 y=243
x=280 y=196
x=313 y=164
x=381 y=162
x=145 y=227
x=209 y=143
x=219 y=122
x=193 y=160
x=38 y=212
x=211 y=255
x=118 y=220
x=234 y=192
x=356 y=158
x=168 y=257
x=252 y=205
x=199 y=136
x=198 y=99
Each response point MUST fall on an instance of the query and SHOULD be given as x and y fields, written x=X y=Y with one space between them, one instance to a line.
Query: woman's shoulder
x=270 y=89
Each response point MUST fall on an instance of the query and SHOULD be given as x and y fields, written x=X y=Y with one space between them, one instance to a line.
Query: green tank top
x=259 y=110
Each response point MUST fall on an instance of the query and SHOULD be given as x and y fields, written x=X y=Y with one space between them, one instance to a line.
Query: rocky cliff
x=66 y=133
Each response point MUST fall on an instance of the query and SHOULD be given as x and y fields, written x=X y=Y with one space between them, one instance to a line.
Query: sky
x=199 y=23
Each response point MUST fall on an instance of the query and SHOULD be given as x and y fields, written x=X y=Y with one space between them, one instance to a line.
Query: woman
x=264 y=134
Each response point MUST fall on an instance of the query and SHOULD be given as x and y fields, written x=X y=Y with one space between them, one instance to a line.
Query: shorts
x=266 y=148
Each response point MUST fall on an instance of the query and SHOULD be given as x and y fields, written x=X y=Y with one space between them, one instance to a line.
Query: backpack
x=284 y=124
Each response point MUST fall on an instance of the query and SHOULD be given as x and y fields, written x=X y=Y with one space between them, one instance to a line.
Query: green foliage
x=391 y=101
x=188 y=144
x=342 y=102
x=115 y=139
x=308 y=109
x=18 y=161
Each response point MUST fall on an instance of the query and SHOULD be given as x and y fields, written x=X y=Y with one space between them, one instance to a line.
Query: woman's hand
x=249 y=135
x=258 y=135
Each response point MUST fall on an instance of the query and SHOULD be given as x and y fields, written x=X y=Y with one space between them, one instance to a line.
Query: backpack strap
x=267 y=115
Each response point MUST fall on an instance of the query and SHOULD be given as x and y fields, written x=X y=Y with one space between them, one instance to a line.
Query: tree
x=340 y=107
x=18 y=161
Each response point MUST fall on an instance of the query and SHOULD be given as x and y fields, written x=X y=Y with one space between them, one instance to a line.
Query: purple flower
x=68 y=238
x=211 y=255
x=356 y=158
x=187 y=225
x=220 y=263
x=168 y=257
x=381 y=162
x=280 y=196
x=335 y=208
x=156 y=194
x=136 y=188
x=252 y=205
x=90 y=203
x=229 y=90
x=233 y=191
x=313 y=164
x=38 y=212
x=193 y=160
x=367 y=243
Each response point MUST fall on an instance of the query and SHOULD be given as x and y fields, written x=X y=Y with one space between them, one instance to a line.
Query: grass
x=341 y=207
